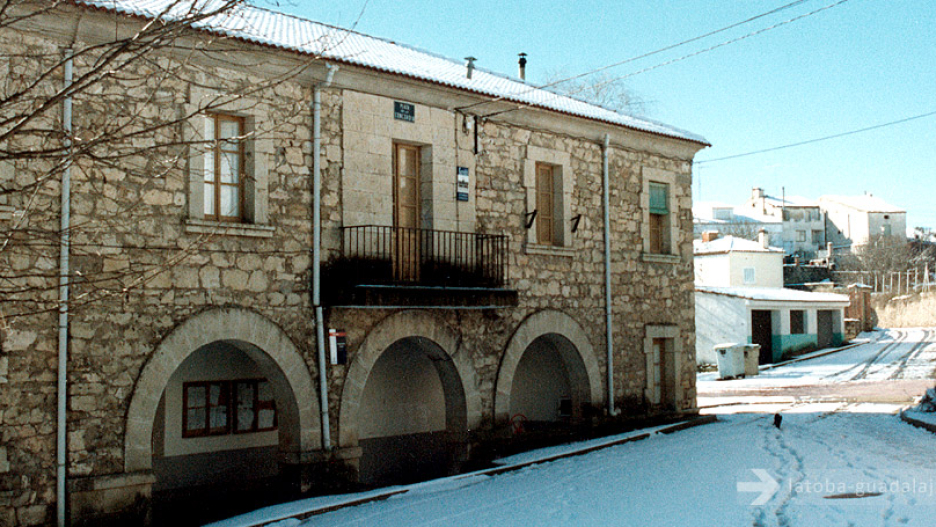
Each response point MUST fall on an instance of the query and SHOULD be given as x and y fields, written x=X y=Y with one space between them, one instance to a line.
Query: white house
x=854 y=220
x=736 y=262
x=731 y=220
x=740 y=298
x=803 y=221
x=796 y=224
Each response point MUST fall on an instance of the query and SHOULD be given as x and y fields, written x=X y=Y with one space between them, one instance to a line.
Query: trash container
x=730 y=360
x=751 y=359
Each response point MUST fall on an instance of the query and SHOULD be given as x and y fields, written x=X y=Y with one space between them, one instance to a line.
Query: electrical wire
x=723 y=44
x=818 y=139
x=645 y=55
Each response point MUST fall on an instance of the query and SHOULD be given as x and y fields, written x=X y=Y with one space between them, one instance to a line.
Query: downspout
x=64 y=249
x=317 y=251
x=609 y=338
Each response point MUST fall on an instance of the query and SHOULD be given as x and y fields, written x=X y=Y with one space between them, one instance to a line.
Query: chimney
x=523 y=62
x=709 y=236
x=757 y=193
x=470 y=65
x=763 y=238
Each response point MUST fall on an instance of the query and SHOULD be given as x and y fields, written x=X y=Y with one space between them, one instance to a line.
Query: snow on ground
x=830 y=463
x=692 y=478
x=887 y=355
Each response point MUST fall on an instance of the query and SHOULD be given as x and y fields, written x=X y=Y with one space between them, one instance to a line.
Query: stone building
x=464 y=287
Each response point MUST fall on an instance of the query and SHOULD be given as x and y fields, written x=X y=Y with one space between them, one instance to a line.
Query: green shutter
x=659 y=199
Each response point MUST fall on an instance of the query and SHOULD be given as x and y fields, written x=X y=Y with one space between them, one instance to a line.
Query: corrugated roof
x=730 y=244
x=289 y=32
x=776 y=294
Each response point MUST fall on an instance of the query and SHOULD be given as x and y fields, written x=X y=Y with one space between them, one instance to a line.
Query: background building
x=740 y=298
x=855 y=220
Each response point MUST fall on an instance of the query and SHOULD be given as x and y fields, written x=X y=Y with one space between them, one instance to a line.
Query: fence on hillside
x=895 y=282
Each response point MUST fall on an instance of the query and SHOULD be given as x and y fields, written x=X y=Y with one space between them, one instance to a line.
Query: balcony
x=402 y=267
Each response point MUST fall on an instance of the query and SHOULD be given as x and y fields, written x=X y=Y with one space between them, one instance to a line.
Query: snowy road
x=828 y=465
x=894 y=366
x=834 y=461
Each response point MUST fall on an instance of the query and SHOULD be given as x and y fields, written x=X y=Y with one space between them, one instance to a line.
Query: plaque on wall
x=461 y=184
x=404 y=111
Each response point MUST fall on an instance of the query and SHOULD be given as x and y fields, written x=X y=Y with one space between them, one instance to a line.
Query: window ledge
x=549 y=250
x=6 y=212
x=660 y=258
x=228 y=229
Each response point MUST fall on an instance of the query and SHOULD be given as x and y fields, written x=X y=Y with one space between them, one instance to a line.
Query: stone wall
x=139 y=269
x=144 y=263
x=911 y=311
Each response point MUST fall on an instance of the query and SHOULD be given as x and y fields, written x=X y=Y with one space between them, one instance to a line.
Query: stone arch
x=263 y=341
x=413 y=324
x=539 y=324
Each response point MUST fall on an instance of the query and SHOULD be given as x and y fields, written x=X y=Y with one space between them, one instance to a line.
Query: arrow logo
x=767 y=486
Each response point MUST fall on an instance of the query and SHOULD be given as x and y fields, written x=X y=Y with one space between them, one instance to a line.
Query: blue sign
x=404 y=111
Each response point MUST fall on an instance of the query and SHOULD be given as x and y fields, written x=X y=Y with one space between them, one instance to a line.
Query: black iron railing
x=378 y=255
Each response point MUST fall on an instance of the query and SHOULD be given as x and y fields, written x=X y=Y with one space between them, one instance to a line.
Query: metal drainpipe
x=64 y=249
x=317 y=251
x=609 y=338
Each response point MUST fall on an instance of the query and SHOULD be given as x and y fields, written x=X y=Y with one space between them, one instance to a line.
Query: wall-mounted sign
x=404 y=111
x=461 y=184
x=338 y=346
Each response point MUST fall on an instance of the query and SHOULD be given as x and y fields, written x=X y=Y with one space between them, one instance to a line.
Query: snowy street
x=893 y=366
x=836 y=460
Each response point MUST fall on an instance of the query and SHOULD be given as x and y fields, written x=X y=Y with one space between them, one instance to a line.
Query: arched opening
x=412 y=420
x=232 y=356
x=550 y=368
x=216 y=435
x=550 y=389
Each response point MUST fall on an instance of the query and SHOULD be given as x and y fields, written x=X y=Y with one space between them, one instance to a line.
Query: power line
x=648 y=54
x=818 y=139
x=725 y=43
x=684 y=57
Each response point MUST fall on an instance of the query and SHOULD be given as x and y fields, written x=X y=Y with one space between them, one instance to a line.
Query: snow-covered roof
x=774 y=294
x=792 y=201
x=730 y=244
x=865 y=203
x=266 y=27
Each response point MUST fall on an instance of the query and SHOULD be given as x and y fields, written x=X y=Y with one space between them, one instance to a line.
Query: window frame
x=229 y=392
x=667 y=225
x=216 y=152
x=255 y=170
x=206 y=429
x=799 y=328
x=257 y=405
x=546 y=194
x=660 y=242
x=563 y=190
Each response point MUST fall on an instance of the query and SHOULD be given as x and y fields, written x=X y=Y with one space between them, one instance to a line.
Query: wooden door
x=825 y=333
x=406 y=213
x=663 y=348
x=762 y=333
x=545 y=205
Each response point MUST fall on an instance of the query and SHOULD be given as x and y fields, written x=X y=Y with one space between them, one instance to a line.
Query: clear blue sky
x=856 y=65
